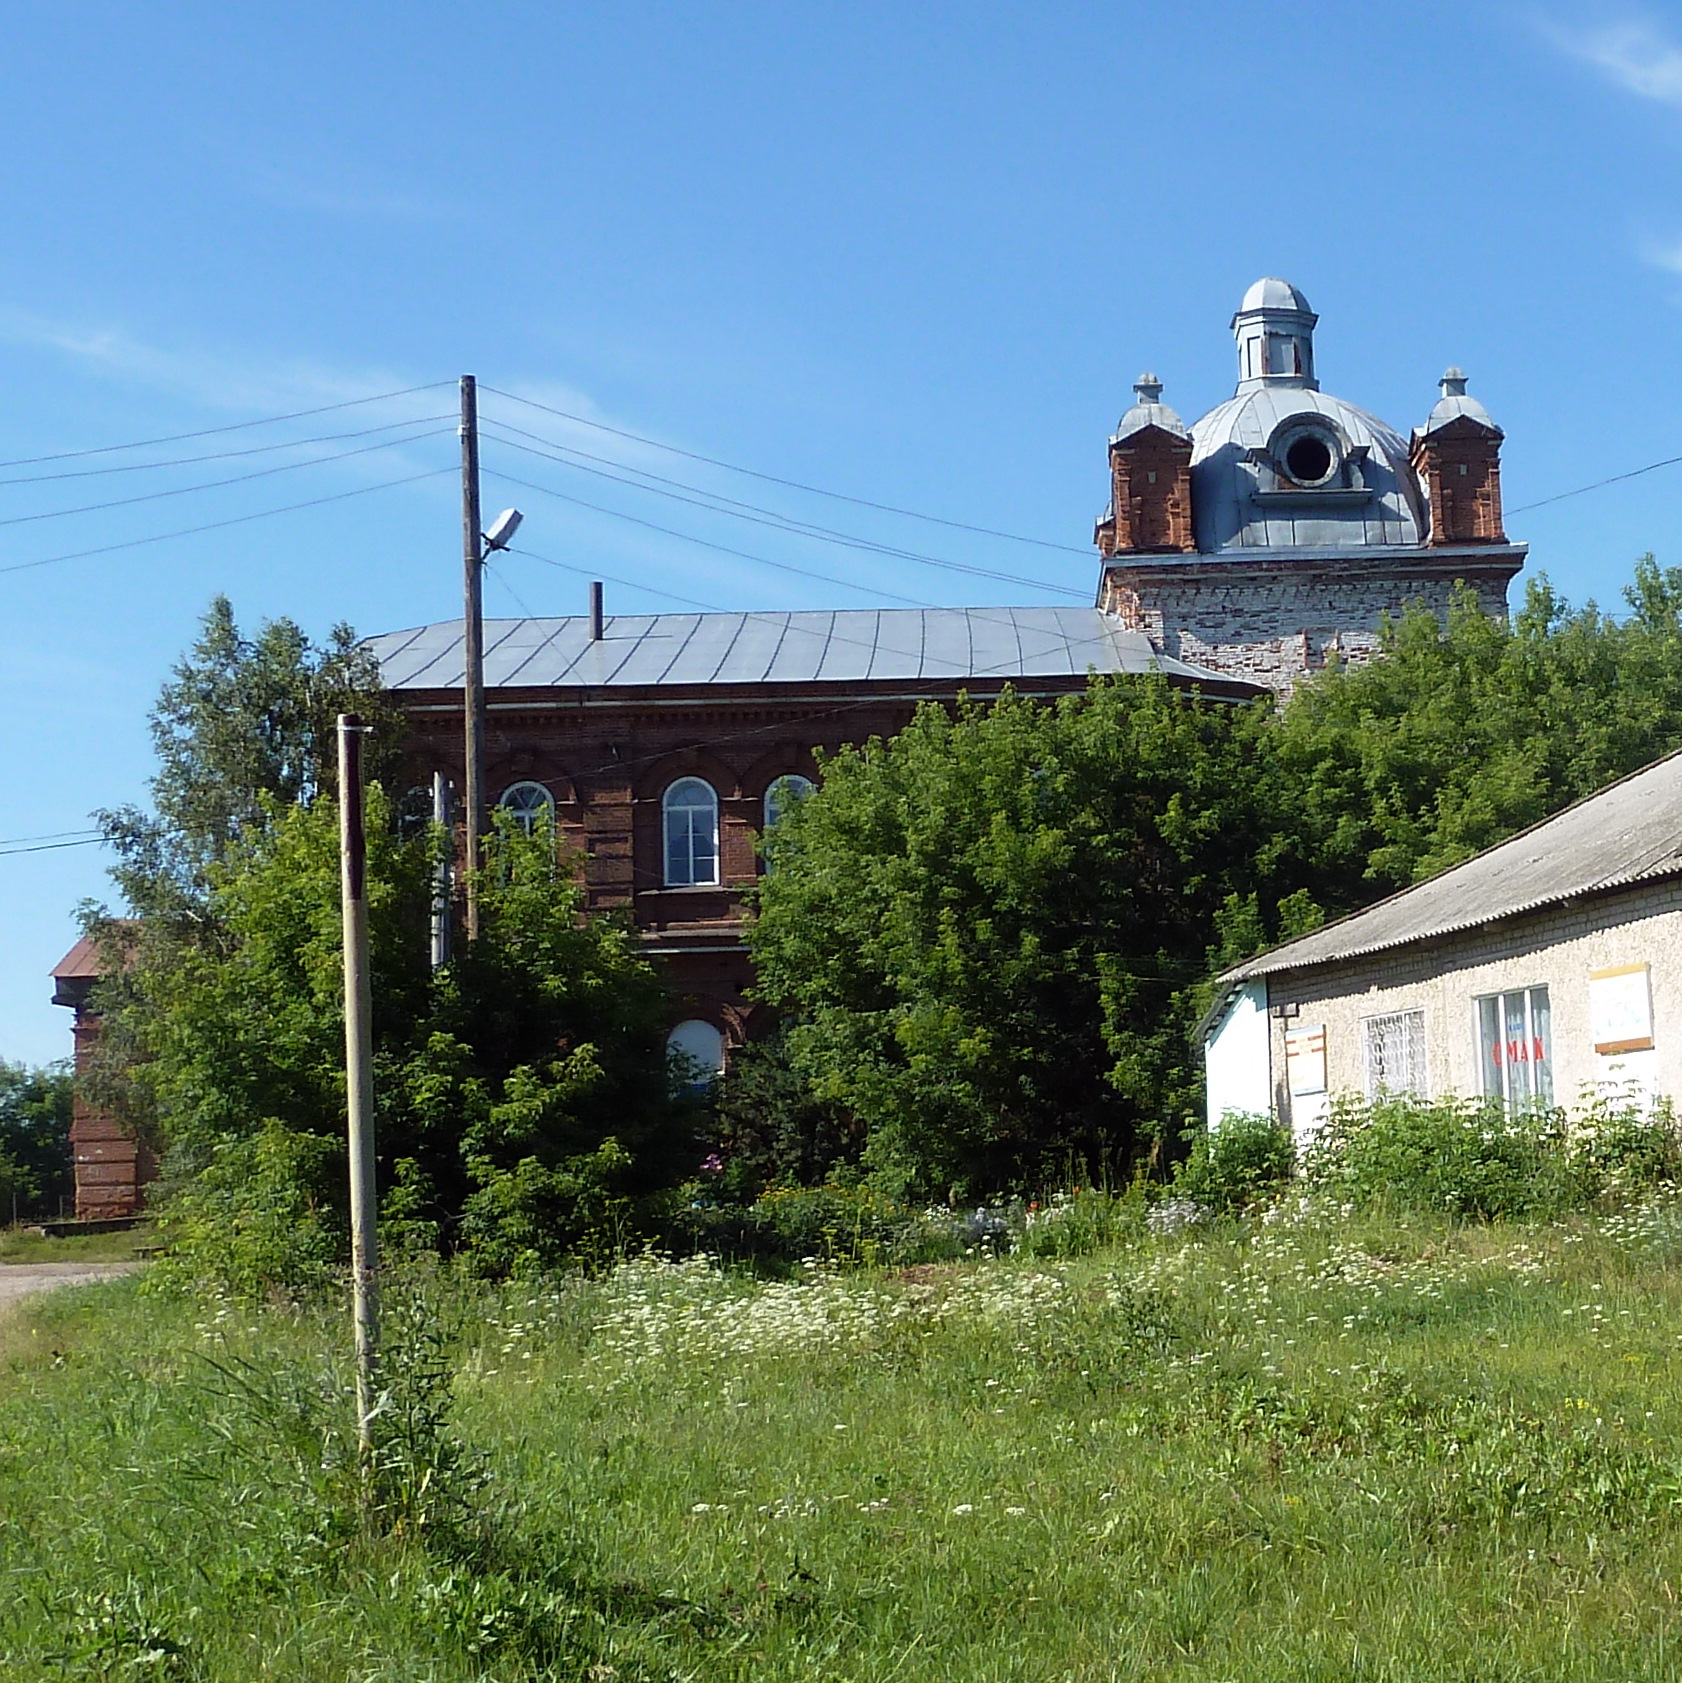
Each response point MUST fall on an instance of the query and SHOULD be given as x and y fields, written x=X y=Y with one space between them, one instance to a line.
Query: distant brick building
x=112 y=1168
x=1237 y=554
x=663 y=747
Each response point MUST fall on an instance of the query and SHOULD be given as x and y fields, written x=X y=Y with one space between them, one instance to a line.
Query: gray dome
x=1455 y=405
x=1271 y=293
x=1284 y=466
x=1148 y=411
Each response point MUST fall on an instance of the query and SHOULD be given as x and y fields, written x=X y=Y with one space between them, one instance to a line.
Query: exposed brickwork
x=1460 y=466
x=111 y=1167
x=1271 y=621
x=1150 y=482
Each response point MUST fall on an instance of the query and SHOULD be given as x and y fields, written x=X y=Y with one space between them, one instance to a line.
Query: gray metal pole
x=473 y=642
x=442 y=874
x=359 y=1074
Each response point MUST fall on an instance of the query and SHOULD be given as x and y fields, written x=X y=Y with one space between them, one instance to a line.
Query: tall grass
x=1315 y=1447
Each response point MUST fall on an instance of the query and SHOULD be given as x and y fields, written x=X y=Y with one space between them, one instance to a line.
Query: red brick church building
x=1237 y=554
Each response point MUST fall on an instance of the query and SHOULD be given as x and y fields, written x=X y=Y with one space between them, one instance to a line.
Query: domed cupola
x=1283 y=465
x=1274 y=328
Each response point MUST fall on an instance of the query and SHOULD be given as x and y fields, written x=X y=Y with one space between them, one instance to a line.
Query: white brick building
x=1544 y=970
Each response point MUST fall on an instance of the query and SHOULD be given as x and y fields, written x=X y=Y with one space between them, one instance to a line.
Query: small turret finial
x=1148 y=388
x=1453 y=383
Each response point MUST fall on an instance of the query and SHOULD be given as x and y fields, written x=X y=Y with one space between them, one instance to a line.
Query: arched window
x=530 y=803
x=690 y=808
x=783 y=793
x=698 y=1048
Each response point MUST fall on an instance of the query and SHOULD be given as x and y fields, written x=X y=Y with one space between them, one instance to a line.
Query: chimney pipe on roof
x=595 y=611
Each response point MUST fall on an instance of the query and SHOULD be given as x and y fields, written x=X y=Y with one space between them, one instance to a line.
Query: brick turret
x=1457 y=455
x=1150 y=480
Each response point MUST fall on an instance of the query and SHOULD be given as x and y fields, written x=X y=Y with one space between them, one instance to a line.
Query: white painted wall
x=1237 y=1057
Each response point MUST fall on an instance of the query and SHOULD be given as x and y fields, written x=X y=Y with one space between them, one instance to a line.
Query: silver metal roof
x=1628 y=833
x=1149 y=411
x=1228 y=511
x=850 y=646
x=1455 y=405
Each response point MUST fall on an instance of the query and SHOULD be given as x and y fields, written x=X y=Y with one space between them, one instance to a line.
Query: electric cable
x=236 y=426
x=705 y=543
x=218 y=525
x=218 y=484
x=773 y=479
x=50 y=847
x=1598 y=485
x=222 y=455
x=758 y=516
x=51 y=835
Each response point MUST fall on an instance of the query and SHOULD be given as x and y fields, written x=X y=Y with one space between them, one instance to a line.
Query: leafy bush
x=1242 y=1161
x=1080 y=1222
x=1621 y=1147
x=264 y=1216
x=1459 y=1156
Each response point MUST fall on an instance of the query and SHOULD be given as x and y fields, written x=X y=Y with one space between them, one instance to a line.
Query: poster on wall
x=1305 y=1059
x=1621 y=1009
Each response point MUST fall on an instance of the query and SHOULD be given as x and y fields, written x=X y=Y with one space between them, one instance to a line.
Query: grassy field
x=1318 y=1448
x=16 y=1245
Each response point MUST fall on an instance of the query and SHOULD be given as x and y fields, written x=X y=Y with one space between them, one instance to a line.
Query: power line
x=217 y=484
x=596 y=573
x=1598 y=485
x=758 y=516
x=236 y=426
x=222 y=455
x=790 y=484
x=50 y=847
x=51 y=835
x=706 y=543
x=218 y=525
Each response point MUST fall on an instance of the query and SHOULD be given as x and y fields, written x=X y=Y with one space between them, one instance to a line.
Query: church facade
x=1272 y=536
x=1237 y=555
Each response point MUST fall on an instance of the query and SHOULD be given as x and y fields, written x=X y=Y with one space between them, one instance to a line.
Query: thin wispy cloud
x=1635 y=55
x=215 y=379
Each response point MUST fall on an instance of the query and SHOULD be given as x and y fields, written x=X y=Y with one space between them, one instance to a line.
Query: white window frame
x=689 y=834
x=1540 y=1068
x=525 y=800
x=1411 y=1023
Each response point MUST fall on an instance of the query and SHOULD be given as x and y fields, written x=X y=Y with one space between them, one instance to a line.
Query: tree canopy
x=989 y=937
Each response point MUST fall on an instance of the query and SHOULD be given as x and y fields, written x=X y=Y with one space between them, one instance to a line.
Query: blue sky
x=917 y=255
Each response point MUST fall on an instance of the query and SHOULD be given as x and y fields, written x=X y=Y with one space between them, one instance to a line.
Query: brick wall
x=1270 y=621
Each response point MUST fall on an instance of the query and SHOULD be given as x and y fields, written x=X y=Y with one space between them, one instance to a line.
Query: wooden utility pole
x=359 y=1074
x=473 y=642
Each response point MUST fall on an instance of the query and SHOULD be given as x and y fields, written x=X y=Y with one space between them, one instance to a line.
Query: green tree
x=519 y=1093
x=988 y=934
x=245 y=727
x=1466 y=731
x=35 y=1109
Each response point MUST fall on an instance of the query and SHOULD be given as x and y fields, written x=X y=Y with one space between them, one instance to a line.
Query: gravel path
x=19 y=1279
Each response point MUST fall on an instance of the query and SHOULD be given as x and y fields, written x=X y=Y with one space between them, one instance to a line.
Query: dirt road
x=19 y=1279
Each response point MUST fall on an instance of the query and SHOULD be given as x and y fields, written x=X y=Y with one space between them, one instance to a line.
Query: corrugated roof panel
x=1627 y=833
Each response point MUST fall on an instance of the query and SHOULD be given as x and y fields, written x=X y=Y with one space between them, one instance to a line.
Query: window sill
x=698 y=888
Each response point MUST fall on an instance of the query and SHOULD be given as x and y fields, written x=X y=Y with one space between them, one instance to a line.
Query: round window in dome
x=1309 y=458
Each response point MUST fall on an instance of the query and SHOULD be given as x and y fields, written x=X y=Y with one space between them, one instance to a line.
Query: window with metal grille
x=1515 y=1047
x=1396 y=1055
